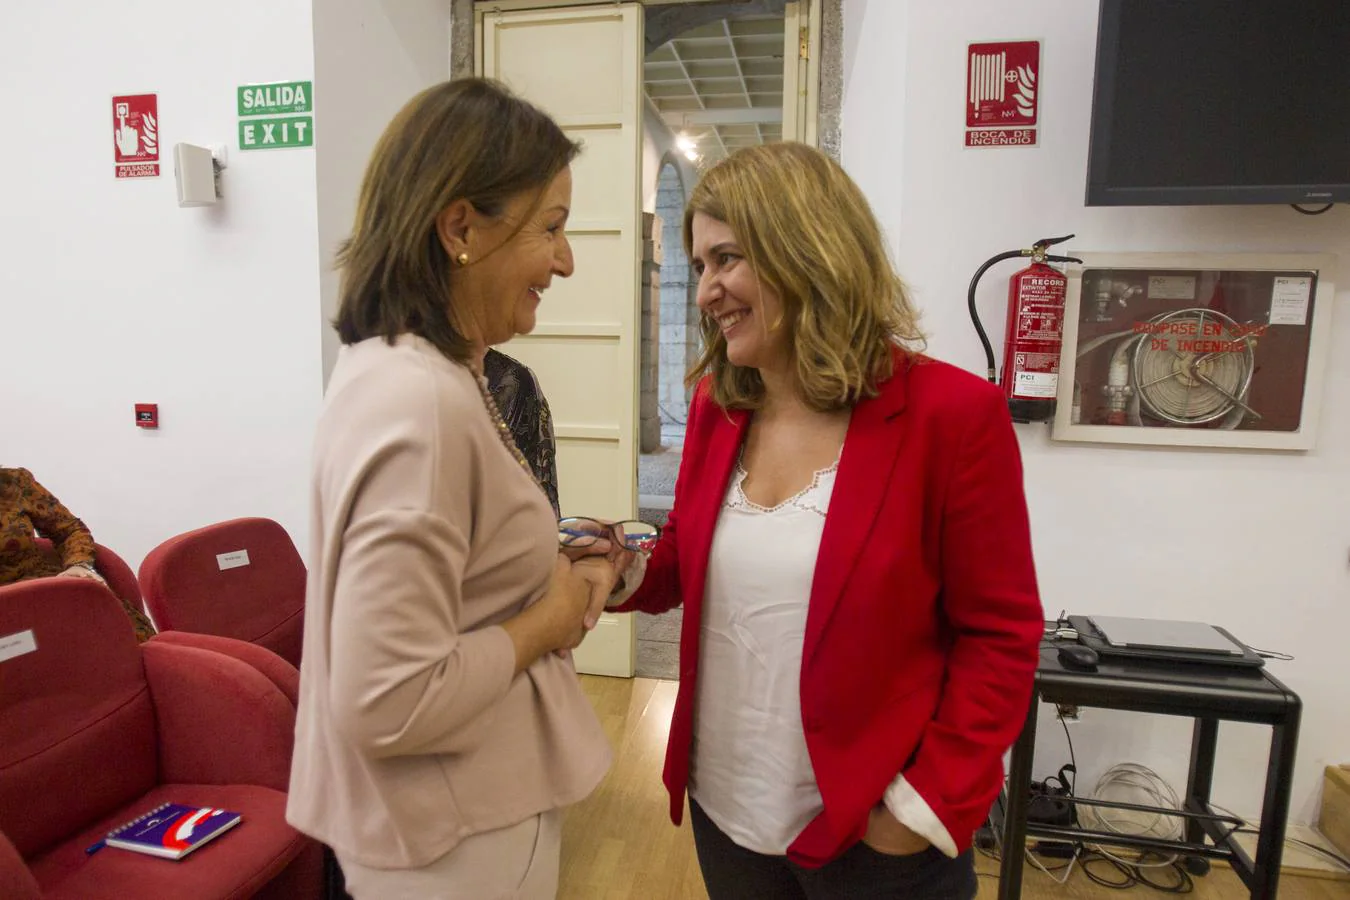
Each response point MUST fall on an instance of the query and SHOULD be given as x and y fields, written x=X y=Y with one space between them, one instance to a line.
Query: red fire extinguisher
x=1030 y=376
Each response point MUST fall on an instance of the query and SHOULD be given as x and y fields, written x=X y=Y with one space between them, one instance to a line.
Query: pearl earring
x=462 y=259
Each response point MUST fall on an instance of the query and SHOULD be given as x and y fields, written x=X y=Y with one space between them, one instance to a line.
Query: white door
x=583 y=65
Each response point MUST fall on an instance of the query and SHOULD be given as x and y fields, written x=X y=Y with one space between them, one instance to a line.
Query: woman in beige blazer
x=441 y=726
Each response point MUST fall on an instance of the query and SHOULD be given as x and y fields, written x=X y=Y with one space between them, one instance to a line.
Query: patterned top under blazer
x=526 y=412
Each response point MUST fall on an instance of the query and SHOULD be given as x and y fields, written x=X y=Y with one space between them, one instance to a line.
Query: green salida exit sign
x=270 y=115
x=281 y=99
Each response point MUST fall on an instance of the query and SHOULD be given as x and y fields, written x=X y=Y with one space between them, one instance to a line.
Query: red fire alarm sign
x=147 y=415
x=1002 y=93
x=136 y=135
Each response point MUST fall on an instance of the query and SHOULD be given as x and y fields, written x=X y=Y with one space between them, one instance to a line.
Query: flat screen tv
x=1200 y=102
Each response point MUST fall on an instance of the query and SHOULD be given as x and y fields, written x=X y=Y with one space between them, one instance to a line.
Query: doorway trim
x=829 y=38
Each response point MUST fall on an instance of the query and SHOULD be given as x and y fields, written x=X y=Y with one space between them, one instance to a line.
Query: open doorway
x=713 y=82
x=669 y=336
x=590 y=66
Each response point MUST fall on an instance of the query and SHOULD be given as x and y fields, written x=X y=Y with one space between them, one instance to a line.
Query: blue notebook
x=172 y=830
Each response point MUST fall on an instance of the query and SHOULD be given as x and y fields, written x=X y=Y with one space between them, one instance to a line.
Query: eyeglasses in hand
x=579 y=531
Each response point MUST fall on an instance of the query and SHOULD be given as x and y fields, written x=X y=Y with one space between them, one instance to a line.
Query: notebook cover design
x=172 y=830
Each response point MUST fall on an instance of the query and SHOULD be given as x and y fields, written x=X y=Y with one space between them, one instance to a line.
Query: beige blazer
x=426 y=535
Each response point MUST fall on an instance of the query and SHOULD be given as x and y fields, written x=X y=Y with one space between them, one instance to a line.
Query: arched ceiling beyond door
x=721 y=81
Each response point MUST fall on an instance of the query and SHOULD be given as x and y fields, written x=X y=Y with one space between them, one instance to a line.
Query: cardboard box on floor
x=1334 y=821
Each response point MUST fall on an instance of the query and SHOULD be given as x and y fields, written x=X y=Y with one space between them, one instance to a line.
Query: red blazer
x=924 y=621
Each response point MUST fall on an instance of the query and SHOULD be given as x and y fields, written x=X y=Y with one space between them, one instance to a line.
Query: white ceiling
x=721 y=84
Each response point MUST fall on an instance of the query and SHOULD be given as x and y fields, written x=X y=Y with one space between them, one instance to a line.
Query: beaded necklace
x=503 y=430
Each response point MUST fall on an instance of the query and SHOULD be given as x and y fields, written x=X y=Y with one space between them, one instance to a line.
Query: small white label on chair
x=17 y=644
x=232 y=560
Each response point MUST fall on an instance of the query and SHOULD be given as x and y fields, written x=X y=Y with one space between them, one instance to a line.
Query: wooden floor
x=619 y=844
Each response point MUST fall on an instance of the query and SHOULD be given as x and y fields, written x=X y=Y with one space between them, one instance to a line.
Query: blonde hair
x=469 y=139
x=809 y=234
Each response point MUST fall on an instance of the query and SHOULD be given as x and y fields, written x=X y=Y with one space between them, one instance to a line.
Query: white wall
x=111 y=295
x=369 y=59
x=1256 y=542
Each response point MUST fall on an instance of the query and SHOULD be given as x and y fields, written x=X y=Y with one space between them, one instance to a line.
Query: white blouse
x=749 y=768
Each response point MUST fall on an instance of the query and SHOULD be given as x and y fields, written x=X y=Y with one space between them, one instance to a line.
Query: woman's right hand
x=603 y=573
x=557 y=622
x=567 y=603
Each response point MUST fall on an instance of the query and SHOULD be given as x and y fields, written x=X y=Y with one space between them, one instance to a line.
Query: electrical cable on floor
x=1127 y=879
x=997 y=855
x=1142 y=779
x=1161 y=824
x=1310 y=847
x=1072 y=787
x=1339 y=860
x=1067 y=868
x=1161 y=872
x=1333 y=856
x=1139 y=871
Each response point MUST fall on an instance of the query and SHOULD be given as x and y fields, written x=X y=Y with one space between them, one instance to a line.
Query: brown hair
x=468 y=139
x=809 y=234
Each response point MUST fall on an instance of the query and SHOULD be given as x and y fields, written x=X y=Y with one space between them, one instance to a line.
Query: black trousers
x=732 y=872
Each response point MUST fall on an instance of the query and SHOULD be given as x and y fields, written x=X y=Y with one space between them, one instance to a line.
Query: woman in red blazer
x=849 y=539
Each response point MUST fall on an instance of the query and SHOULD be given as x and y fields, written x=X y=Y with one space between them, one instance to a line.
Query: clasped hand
x=595 y=570
x=601 y=564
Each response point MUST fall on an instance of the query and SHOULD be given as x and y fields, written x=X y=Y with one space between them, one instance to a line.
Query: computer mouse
x=1076 y=656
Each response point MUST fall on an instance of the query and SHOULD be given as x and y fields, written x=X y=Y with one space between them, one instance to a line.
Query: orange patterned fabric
x=27 y=510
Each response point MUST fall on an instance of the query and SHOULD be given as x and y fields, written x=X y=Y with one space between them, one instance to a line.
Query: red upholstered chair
x=121 y=580
x=98 y=729
x=241 y=579
x=272 y=667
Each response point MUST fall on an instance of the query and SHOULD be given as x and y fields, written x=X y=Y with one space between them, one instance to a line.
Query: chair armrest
x=220 y=720
x=16 y=882
x=281 y=673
